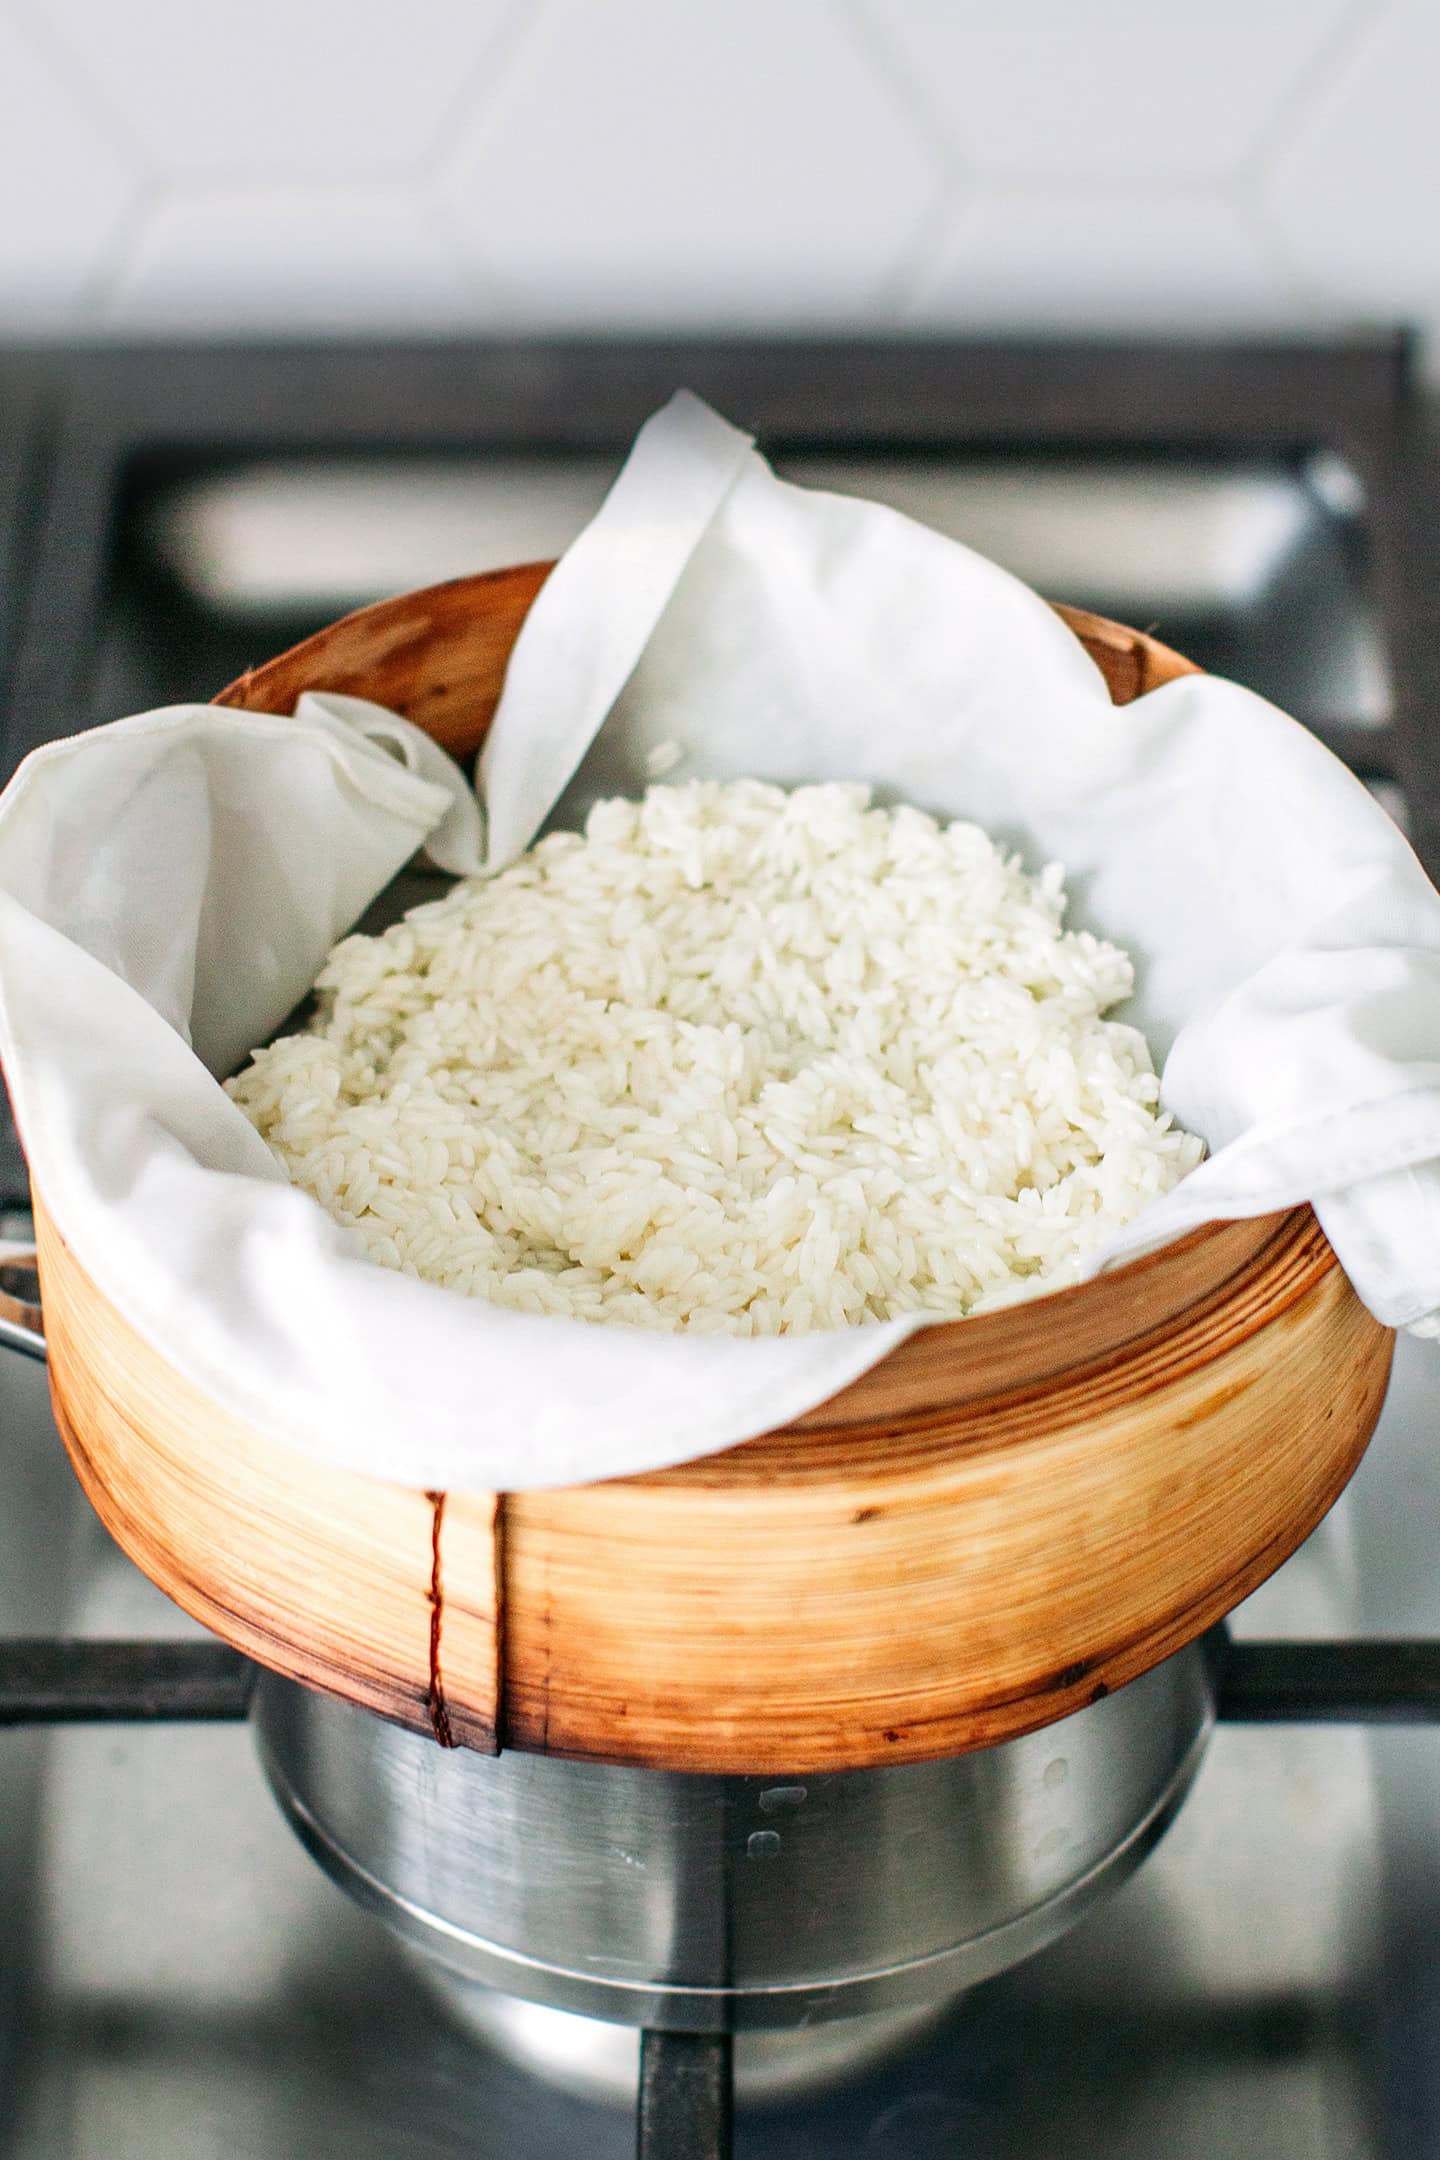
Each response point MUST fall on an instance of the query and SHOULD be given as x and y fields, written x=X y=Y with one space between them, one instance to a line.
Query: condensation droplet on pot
x=779 y=1797
x=762 y=1845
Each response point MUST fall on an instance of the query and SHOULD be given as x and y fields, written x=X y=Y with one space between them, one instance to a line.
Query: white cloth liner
x=170 y=884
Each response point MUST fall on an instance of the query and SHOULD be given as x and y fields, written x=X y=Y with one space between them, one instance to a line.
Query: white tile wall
x=344 y=165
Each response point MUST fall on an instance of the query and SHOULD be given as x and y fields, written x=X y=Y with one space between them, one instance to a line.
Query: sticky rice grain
x=736 y=1060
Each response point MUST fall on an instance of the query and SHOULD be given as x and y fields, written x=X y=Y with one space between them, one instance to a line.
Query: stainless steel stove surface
x=189 y=1984
x=178 y=1980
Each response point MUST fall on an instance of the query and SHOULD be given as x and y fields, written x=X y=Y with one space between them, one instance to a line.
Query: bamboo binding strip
x=1005 y=1518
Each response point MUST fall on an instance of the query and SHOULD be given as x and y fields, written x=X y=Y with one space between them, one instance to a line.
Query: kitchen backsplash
x=431 y=165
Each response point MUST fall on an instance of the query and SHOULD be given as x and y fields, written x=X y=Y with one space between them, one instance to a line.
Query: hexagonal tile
x=290 y=259
x=282 y=88
x=1111 y=88
x=1104 y=259
x=1352 y=193
x=64 y=186
x=647 y=162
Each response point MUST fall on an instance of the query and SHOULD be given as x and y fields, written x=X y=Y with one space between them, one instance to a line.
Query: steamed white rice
x=734 y=1060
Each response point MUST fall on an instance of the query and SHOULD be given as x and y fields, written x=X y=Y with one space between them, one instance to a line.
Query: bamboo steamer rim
x=1002 y=1519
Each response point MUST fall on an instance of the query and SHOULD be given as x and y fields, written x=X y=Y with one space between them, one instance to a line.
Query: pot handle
x=22 y=1325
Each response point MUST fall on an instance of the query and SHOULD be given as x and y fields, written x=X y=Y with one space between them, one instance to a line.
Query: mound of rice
x=735 y=1060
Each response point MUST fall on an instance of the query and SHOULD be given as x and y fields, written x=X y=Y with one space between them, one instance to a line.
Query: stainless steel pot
x=689 y=1902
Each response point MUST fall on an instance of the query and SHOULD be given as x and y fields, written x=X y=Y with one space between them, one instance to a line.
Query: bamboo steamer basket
x=1002 y=1521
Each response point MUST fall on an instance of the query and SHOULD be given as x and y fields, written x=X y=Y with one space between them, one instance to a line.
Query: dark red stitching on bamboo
x=439 y=1715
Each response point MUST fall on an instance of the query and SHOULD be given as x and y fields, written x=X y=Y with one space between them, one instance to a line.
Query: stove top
x=189 y=1984
x=179 y=1978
